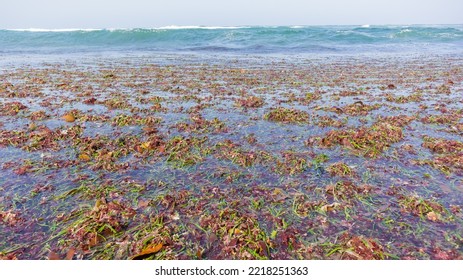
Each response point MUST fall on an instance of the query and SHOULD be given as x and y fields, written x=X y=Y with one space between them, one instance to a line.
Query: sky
x=158 y=13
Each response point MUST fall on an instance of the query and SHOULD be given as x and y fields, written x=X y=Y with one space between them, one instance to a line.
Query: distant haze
x=146 y=13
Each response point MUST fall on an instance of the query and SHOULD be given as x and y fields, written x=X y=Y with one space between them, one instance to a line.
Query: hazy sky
x=156 y=13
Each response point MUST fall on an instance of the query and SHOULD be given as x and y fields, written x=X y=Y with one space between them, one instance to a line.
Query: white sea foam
x=119 y=29
x=365 y=26
x=405 y=31
x=55 y=30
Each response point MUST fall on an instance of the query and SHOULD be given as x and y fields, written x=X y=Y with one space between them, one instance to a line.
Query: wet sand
x=337 y=158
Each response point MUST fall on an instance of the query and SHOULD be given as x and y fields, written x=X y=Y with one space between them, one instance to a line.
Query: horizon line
x=173 y=27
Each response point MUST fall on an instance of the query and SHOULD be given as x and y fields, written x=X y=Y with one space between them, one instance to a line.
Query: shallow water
x=271 y=188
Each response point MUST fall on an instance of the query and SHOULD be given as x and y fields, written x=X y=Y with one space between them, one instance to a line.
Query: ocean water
x=237 y=40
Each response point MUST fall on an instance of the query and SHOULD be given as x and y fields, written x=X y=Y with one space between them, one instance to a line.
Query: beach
x=234 y=157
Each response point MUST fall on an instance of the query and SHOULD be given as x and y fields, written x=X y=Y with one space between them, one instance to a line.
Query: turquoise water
x=240 y=40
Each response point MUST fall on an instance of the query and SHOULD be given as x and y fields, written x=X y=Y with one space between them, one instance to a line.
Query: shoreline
x=134 y=58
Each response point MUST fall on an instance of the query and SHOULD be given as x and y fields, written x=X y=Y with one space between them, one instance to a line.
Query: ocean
x=366 y=39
